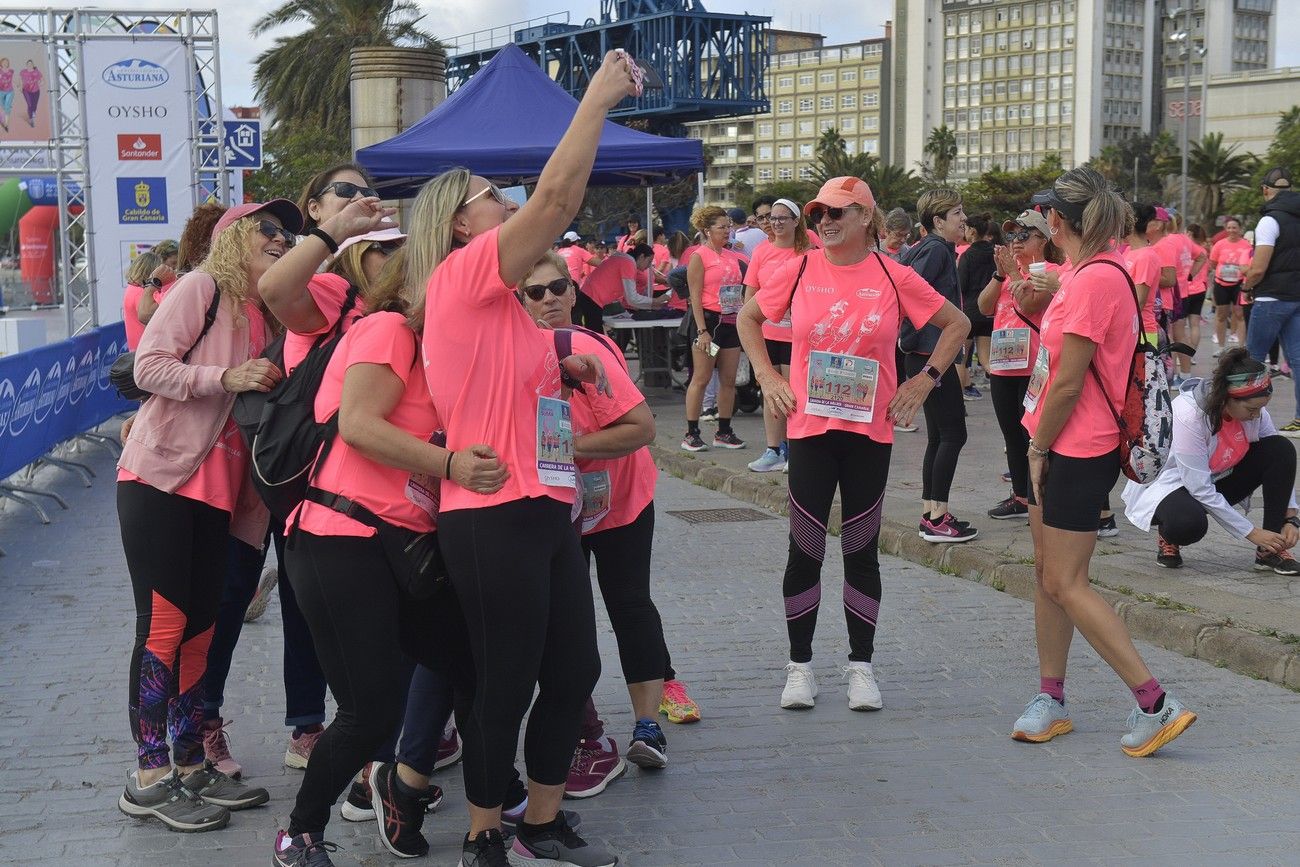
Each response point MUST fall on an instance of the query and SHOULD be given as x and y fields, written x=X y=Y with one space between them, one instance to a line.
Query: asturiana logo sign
x=135 y=74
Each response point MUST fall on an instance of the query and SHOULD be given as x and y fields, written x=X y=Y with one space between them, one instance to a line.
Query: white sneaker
x=800 y=686
x=864 y=694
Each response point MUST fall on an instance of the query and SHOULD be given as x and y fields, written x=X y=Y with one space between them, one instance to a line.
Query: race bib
x=1037 y=380
x=596 y=495
x=842 y=386
x=1229 y=273
x=424 y=490
x=1009 y=349
x=731 y=299
x=554 y=443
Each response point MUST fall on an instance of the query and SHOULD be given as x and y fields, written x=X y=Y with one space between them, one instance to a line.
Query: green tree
x=941 y=148
x=800 y=192
x=302 y=80
x=741 y=184
x=832 y=142
x=293 y=153
x=1005 y=194
x=1214 y=171
x=893 y=186
x=838 y=164
x=1283 y=151
x=1152 y=153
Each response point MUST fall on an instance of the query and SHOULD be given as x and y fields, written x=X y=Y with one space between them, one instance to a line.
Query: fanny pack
x=414 y=557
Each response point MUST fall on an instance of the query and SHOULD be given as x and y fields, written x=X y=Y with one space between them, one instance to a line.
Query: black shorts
x=1193 y=305
x=1226 y=296
x=778 y=351
x=980 y=326
x=723 y=335
x=1076 y=490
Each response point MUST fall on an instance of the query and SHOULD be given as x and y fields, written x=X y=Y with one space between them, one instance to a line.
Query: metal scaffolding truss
x=64 y=32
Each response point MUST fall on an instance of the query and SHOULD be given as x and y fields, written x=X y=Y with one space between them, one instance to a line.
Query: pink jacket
x=177 y=427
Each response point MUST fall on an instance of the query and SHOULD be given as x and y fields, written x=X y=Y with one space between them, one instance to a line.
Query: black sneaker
x=710 y=413
x=488 y=849
x=357 y=807
x=728 y=440
x=1168 y=555
x=398 y=815
x=512 y=816
x=693 y=442
x=557 y=843
x=1011 y=507
x=216 y=788
x=1106 y=528
x=649 y=747
x=1282 y=564
x=302 y=851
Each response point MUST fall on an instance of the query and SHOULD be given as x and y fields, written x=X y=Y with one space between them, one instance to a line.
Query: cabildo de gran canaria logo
x=135 y=74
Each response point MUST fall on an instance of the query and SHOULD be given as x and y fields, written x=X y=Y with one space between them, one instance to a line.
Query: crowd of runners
x=482 y=441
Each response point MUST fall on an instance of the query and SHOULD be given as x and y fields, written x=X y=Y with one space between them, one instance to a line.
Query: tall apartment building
x=812 y=87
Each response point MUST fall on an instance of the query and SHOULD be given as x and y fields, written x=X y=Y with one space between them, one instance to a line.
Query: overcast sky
x=839 y=20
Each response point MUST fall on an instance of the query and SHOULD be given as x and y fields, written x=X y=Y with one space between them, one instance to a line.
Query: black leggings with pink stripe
x=859 y=467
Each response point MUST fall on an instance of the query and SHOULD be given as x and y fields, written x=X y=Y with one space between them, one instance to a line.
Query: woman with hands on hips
x=846 y=303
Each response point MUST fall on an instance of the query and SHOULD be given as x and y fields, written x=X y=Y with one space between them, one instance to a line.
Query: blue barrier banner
x=51 y=394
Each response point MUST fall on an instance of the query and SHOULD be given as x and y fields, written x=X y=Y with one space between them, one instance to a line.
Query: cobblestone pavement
x=931 y=779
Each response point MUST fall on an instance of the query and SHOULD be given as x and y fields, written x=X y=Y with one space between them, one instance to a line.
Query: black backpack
x=279 y=426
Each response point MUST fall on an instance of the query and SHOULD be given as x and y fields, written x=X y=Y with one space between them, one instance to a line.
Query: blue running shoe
x=1149 y=732
x=1044 y=718
x=770 y=461
x=649 y=747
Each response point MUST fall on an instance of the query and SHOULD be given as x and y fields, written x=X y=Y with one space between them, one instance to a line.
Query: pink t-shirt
x=31 y=79
x=1006 y=318
x=576 y=258
x=610 y=279
x=397 y=496
x=1231 y=260
x=1143 y=265
x=1188 y=253
x=721 y=274
x=962 y=248
x=218 y=479
x=768 y=258
x=1094 y=302
x=131 y=315
x=663 y=260
x=494 y=377
x=1169 y=251
x=845 y=321
x=6 y=80
x=614 y=492
x=329 y=291
x=1199 y=283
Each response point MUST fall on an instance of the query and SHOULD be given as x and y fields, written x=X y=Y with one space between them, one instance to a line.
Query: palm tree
x=831 y=141
x=942 y=149
x=1289 y=119
x=838 y=164
x=1214 y=171
x=893 y=186
x=741 y=183
x=303 y=78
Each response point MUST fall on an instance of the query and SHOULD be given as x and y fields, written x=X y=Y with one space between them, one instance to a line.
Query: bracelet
x=446 y=471
x=999 y=277
x=325 y=238
x=1033 y=447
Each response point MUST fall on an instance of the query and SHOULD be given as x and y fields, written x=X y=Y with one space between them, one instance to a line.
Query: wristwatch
x=932 y=372
x=1294 y=521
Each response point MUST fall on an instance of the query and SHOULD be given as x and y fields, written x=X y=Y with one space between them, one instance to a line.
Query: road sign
x=242 y=140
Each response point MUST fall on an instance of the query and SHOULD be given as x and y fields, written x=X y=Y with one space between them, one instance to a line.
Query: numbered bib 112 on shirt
x=842 y=386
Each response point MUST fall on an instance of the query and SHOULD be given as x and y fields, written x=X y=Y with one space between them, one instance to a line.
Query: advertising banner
x=140 y=154
x=51 y=394
x=24 y=91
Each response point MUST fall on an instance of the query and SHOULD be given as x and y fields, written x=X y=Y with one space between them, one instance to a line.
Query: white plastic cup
x=1037 y=268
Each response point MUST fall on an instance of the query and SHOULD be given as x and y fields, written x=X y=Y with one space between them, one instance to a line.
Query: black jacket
x=974 y=270
x=1282 y=279
x=936 y=261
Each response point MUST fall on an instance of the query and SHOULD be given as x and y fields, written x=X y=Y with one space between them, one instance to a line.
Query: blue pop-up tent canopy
x=504 y=124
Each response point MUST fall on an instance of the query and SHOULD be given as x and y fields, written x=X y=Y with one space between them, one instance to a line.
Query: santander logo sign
x=135 y=74
x=139 y=146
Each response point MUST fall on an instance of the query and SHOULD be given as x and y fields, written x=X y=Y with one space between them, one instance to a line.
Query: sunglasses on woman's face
x=346 y=190
x=271 y=231
x=538 y=291
x=388 y=248
x=1019 y=237
x=490 y=189
x=816 y=215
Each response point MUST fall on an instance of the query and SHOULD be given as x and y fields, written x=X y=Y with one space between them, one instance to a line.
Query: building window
x=784 y=106
x=765 y=127
x=848 y=76
x=785 y=128
x=826 y=103
x=826 y=78
x=785 y=173
x=765 y=174
x=805 y=79
x=870 y=124
x=850 y=146
x=871 y=73
x=785 y=81
x=805 y=104
x=847 y=123
x=825 y=124
x=871 y=99
x=785 y=152
x=870 y=145
x=765 y=152
x=805 y=127
x=805 y=173
x=848 y=100
x=805 y=150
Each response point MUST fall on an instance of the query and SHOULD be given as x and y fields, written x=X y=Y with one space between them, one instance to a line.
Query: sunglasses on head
x=388 y=248
x=271 y=231
x=816 y=215
x=346 y=190
x=490 y=189
x=537 y=291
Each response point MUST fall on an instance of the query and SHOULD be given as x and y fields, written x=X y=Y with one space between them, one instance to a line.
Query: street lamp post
x=1182 y=37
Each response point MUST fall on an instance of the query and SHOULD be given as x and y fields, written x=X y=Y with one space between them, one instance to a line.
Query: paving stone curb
x=1191 y=633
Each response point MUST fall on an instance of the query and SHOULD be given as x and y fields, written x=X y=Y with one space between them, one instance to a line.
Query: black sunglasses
x=816 y=215
x=388 y=248
x=271 y=231
x=538 y=291
x=346 y=190
x=1021 y=236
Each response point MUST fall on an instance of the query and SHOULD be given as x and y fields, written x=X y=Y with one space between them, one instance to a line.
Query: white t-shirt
x=751 y=238
x=1266 y=232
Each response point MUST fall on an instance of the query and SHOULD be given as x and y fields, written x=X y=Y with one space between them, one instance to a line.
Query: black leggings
x=1268 y=465
x=1008 y=405
x=588 y=314
x=860 y=468
x=945 y=430
x=525 y=591
x=623 y=571
x=362 y=624
x=176 y=553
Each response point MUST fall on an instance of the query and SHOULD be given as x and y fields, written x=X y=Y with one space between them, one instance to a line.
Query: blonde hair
x=1106 y=216
x=348 y=265
x=227 y=261
x=703 y=215
x=389 y=292
x=431 y=237
x=935 y=203
x=555 y=260
x=142 y=267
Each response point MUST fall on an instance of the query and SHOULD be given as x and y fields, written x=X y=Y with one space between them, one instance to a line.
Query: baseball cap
x=1162 y=213
x=288 y=213
x=1030 y=219
x=572 y=236
x=1278 y=178
x=1073 y=211
x=842 y=192
x=737 y=215
x=392 y=234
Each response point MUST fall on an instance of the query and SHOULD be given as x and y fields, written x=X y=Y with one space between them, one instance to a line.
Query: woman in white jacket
x=1225 y=448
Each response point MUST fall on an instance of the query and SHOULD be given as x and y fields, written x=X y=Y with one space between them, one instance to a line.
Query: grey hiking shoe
x=558 y=844
x=172 y=804
x=215 y=787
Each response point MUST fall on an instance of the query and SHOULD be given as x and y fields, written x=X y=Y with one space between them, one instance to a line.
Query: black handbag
x=122 y=374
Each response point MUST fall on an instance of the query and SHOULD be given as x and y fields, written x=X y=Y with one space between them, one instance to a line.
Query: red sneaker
x=217 y=750
x=596 y=764
x=300 y=747
x=449 y=748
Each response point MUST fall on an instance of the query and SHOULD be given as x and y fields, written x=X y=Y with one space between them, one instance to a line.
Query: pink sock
x=1053 y=686
x=1149 y=695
